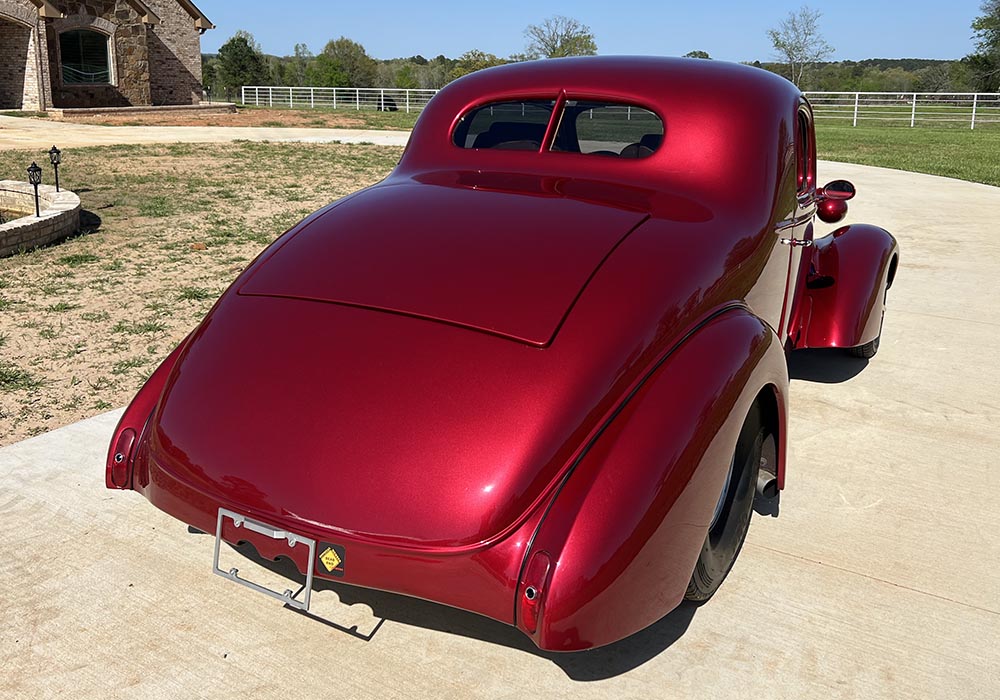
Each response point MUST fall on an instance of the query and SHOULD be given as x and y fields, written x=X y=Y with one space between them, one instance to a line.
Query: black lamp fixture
x=55 y=157
x=35 y=178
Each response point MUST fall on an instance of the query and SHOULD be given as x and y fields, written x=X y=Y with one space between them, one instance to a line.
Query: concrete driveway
x=878 y=579
x=22 y=133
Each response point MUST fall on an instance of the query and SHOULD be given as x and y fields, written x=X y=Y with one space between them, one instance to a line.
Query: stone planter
x=60 y=216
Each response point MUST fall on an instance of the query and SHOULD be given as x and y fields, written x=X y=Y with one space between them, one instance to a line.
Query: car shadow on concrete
x=597 y=664
x=824 y=366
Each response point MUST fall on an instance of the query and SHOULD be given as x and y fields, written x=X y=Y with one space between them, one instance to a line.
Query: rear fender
x=615 y=551
x=845 y=289
x=125 y=439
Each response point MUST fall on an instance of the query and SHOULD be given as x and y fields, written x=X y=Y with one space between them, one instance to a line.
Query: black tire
x=726 y=535
x=866 y=351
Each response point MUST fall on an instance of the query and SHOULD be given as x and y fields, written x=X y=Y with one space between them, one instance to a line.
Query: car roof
x=726 y=125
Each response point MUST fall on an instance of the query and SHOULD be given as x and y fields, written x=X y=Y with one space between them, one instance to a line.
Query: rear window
x=608 y=129
x=506 y=125
x=586 y=127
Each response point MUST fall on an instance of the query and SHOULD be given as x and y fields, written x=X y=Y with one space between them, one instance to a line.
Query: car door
x=797 y=233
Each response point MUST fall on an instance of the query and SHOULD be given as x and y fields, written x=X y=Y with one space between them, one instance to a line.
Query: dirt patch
x=84 y=322
x=297 y=118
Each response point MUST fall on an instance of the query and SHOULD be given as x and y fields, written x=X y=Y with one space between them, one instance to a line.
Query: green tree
x=354 y=61
x=697 y=54
x=325 y=71
x=798 y=41
x=471 y=61
x=405 y=77
x=300 y=63
x=984 y=64
x=558 y=37
x=241 y=63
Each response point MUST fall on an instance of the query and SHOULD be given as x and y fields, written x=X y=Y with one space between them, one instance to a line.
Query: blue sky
x=733 y=31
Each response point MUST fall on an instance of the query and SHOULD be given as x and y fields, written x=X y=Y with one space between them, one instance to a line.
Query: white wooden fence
x=383 y=99
x=908 y=108
x=912 y=109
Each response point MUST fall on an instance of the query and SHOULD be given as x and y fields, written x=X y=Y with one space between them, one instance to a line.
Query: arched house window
x=86 y=57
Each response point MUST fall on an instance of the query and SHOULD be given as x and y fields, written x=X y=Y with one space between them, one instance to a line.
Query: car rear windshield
x=516 y=126
x=588 y=127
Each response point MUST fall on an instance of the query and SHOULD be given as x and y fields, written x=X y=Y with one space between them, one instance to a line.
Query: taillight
x=120 y=458
x=532 y=591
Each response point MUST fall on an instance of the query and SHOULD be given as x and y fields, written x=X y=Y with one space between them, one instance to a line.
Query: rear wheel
x=731 y=518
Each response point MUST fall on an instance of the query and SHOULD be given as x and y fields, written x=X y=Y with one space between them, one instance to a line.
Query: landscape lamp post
x=55 y=157
x=35 y=178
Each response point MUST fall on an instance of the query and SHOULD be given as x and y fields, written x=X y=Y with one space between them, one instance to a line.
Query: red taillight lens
x=532 y=591
x=120 y=458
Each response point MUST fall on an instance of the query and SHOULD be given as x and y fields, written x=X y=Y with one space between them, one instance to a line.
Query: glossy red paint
x=845 y=295
x=498 y=370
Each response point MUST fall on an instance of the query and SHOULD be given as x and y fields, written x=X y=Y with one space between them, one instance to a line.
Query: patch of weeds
x=3 y=339
x=102 y=405
x=157 y=207
x=95 y=316
x=73 y=350
x=61 y=307
x=141 y=328
x=13 y=378
x=123 y=366
x=77 y=259
x=101 y=384
x=113 y=266
x=48 y=333
x=5 y=304
x=195 y=294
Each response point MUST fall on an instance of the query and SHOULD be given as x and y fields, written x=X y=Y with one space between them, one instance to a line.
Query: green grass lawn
x=960 y=153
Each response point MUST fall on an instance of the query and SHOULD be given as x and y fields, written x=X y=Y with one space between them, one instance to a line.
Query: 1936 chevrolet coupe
x=538 y=372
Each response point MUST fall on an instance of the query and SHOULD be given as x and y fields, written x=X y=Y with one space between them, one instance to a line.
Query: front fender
x=845 y=290
x=615 y=551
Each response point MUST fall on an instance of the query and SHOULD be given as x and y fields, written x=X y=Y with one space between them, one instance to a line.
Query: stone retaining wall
x=60 y=216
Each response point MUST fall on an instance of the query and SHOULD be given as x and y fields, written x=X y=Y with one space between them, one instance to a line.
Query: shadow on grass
x=89 y=222
x=597 y=664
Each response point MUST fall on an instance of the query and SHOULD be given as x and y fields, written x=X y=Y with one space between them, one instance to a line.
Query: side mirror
x=841 y=190
x=831 y=201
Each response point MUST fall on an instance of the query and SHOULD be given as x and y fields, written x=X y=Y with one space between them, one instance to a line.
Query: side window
x=804 y=156
x=505 y=125
x=608 y=129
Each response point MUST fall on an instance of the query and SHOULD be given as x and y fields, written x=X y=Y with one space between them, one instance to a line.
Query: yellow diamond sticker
x=330 y=559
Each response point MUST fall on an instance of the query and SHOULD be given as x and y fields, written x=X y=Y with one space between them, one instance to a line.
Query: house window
x=85 y=57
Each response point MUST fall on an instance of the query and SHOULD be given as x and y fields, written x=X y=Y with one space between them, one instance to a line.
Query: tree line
x=797 y=41
x=344 y=62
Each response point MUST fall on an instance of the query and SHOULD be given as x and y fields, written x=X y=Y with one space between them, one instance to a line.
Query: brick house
x=99 y=53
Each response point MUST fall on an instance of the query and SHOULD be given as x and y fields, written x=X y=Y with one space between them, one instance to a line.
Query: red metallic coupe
x=539 y=372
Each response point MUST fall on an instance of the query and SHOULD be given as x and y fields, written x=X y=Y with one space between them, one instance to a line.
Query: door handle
x=795 y=242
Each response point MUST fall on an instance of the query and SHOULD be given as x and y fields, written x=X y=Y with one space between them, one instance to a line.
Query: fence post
x=291 y=102
x=857 y=96
x=407 y=100
x=243 y=94
x=270 y=97
x=335 y=98
x=975 y=103
x=357 y=98
x=312 y=98
x=913 y=112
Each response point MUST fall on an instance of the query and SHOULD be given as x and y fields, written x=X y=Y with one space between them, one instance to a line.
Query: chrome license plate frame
x=275 y=533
